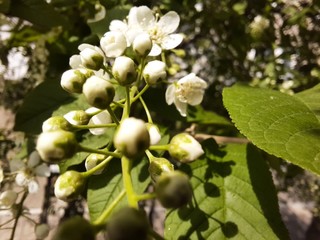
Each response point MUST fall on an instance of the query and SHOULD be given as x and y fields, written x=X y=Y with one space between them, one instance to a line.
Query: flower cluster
x=112 y=77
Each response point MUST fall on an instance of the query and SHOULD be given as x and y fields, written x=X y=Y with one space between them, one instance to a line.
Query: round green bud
x=77 y=117
x=158 y=166
x=98 y=92
x=75 y=228
x=132 y=137
x=93 y=160
x=56 y=123
x=184 y=148
x=124 y=70
x=57 y=145
x=69 y=185
x=173 y=189
x=128 y=224
x=72 y=80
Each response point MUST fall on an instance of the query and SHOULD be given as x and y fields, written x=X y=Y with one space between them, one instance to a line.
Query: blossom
x=124 y=70
x=154 y=71
x=113 y=43
x=143 y=20
x=185 y=148
x=154 y=133
x=8 y=198
x=188 y=90
x=101 y=118
x=27 y=171
x=142 y=44
x=90 y=56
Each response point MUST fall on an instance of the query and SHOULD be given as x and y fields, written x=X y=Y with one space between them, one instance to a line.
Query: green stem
x=146 y=110
x=145 y=196
x=104 y=216
x=98 y=167
x=145 y=88
x=99 y=151
x=128 y=104
x=159 y=147
x=19 y=212
x=80 y=127
x=149 y=155
x=126 y=165
x=118 y=104
x=113 y=116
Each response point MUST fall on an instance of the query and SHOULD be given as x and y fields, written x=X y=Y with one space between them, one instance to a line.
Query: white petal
x=182 y=107
x=34 y=159
x=75 y=61
x=145 y=17
x=169 y=22
x=155 y=50
x=195 y=99
x=171 y=41
x=99 y=15
x=101 y=118
x=170 y=93
x=33 y=186
x=21 y=179
x=117 y=25
x=83 y=46
x=42 y=170
x=16 y=164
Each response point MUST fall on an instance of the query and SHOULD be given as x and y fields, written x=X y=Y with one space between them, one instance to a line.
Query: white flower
x=154 y=133
x=132 y=137
x=98 y=119
x=154 y=71
x=77 y=117
x=8 y=198
x=27 y=172
x=142 y=44
x=113 y=43
x=55 y=123
x=124 y=70
x=143 y=19
x=91 y=57
x=72 y=80
x=188 y=90
x=185 y=148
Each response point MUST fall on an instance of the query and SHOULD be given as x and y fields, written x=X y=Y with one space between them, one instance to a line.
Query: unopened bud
x=173 y=189
x=77 y=117
x=93 y=160
x=69 y=185
x=124 y=70
x=113 y=43
x=154 y=133
x=98 y=92
x=56 y=145
x=154 y=71
x=8 y=198
x=74 y=228
x=158 y=166
x=128 y=224
x=132 y=137
x=41 y=231
x=92 y=58
x=142 y=44
x=56 y=123
x=184 y=148
x=72 y=80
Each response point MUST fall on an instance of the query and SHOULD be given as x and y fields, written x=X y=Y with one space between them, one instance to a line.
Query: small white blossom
x=101 y=118
x=132 y=137
x=27 y=172
x=154 y=71
x=90 y=56
x=72 y=80
x=77 y=117
x=160 y=30
x=124 y=70
x=8 y=198
x=185 y=148
x=154 y=133
x=188 y=90
x=142 y=44
x=113 y=43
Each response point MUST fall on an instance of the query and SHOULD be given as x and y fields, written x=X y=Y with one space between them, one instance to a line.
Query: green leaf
x=39 y=13
x=278 y=123
x=199 y=115
x=311 y=98
x=39 y=105
x=104 y=188
x=234 y=197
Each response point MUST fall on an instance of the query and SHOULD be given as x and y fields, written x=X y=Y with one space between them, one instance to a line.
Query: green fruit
x=128 y=224
x=75 y=228
x=173 y=189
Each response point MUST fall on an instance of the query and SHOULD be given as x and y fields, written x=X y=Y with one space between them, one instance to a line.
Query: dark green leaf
x=278 y=123
x=39 y=105
x=234 y=197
